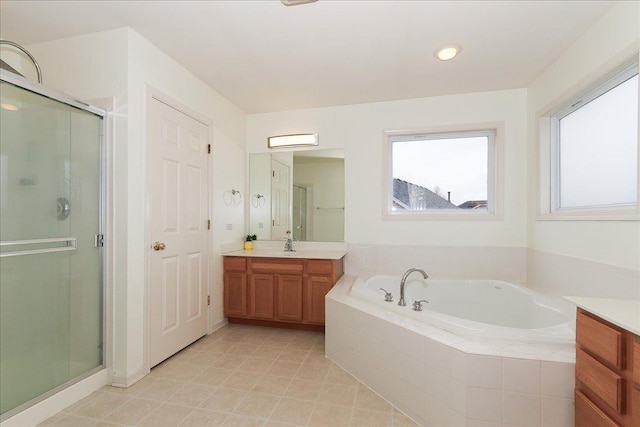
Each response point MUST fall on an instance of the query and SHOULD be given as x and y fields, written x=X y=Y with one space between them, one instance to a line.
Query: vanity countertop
x=299 y=254
x=623 y=313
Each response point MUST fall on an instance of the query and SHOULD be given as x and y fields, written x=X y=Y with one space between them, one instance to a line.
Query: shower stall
x=51 y=255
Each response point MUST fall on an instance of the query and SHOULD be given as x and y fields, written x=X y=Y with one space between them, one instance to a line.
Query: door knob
x=158 y=246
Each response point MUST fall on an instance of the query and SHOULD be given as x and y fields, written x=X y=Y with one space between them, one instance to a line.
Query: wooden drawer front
x=270 y=265
x=599 y=339
x=319 y=266
x=589 y=415
x=605 y=383
x=636 y=362
x=235 y=263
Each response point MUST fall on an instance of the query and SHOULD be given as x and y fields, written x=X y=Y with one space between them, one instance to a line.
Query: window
x=594 y=149
x=445 y=175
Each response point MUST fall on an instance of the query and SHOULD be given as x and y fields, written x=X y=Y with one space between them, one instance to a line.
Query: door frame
x=153 y=93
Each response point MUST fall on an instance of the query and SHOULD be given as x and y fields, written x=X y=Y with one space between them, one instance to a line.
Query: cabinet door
x=261 y=296
x=316 y=289
x=235 y=294
x=289 y=298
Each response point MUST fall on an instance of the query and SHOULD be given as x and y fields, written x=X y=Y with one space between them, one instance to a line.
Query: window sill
x=591 y=215
x=441 y=216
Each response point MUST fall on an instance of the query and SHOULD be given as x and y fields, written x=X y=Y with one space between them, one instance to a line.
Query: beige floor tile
x=337 y=375
x=184 y=372
x=219 y=347
x=72 y=421
x=132 y=412
x=134 y=389
x=241 y=380
x=312 y=372
x=202 y=358
x=368 y=400
x=161 y=390
x=270 y=423
x=164 y=368
x=223 y=399
x=268 y=351
x=317 y=358
x=101 y=405
x=204 y=417
x=337 y=394
x=256 y=365
x=364 y=418
x=52 y=420
x=303 y=389
x=401 y=420
x=242 y=349
x=192 y=394
x=325 y=415
x=106 y=424
x=212 y=376
x=72 y=408
x=270 y=384
x=284 y=369
x=229 y=361
x=167 y=415
x=257 y=405
x=292 y=411
x=294 y=356
x=235 y=420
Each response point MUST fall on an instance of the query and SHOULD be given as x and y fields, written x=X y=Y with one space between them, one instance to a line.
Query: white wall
x=359 y=130
x=122 y=64
x=585 y=245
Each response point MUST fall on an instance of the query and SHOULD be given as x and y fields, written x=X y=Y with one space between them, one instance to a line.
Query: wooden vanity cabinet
x=235 y=286
x=286 y=292
x=607 y=390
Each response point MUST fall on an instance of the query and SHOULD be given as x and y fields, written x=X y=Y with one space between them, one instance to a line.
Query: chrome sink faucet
x=402 y=302
x=288 y=245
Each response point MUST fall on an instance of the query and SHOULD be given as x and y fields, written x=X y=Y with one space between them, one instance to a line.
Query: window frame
x=549 y=146
x=495 y=166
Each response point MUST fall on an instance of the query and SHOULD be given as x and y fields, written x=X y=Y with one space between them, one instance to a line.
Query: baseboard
x=122 y=381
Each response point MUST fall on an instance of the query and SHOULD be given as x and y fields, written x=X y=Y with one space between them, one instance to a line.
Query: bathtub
x=482 y=352
x=480 y=309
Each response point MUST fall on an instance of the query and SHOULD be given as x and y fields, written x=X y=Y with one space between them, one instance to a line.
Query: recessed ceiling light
x=448 y=52
x=296 y=2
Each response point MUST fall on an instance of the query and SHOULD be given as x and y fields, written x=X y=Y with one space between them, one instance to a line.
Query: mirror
x=301 y=191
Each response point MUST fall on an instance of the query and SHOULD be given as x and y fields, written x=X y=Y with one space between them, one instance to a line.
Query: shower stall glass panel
x=51 y=297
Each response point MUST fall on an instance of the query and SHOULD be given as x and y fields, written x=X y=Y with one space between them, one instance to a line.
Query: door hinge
x=208 y=299
x=273 y=174
x=99 y=242
x=209 y=148
x=208 y=224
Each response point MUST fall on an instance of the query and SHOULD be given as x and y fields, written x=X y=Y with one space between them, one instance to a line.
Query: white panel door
x=280 y=204
x=179 y=252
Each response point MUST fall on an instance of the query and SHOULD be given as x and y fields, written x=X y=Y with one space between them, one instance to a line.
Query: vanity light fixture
x=296 y=2
x=304 y=139
x=448 y=52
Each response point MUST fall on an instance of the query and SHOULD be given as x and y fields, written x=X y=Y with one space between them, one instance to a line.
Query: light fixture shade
x=296 y=2
x=304 y=139
x=447 y=53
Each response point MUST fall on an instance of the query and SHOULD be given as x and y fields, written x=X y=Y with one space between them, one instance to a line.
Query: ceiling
x=264 y=56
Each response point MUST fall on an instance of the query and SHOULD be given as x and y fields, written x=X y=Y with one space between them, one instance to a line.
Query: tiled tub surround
x=441 y=379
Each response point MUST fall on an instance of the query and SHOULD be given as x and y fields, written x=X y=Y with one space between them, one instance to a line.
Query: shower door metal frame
x=38 y=89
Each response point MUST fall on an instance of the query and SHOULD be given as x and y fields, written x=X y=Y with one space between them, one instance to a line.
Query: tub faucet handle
x=388 y=296
x=417 y=305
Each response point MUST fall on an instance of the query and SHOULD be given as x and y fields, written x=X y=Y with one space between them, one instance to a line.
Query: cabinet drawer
x=589 y=415
x=235 y=263
x=601 y=380
x=319 y=266
x=599 y=339
x=275 y=266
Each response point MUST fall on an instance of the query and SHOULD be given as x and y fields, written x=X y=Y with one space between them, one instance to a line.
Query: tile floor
x=239 y=376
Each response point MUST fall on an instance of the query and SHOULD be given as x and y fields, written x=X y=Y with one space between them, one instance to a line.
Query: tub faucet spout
x=402 y=302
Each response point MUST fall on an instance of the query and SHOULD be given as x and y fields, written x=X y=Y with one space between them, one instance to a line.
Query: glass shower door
x=51 y=298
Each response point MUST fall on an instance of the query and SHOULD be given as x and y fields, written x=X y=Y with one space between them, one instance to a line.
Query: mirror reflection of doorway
x=299 y=205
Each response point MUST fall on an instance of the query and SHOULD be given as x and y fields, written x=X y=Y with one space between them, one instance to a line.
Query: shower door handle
x=158 y=246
